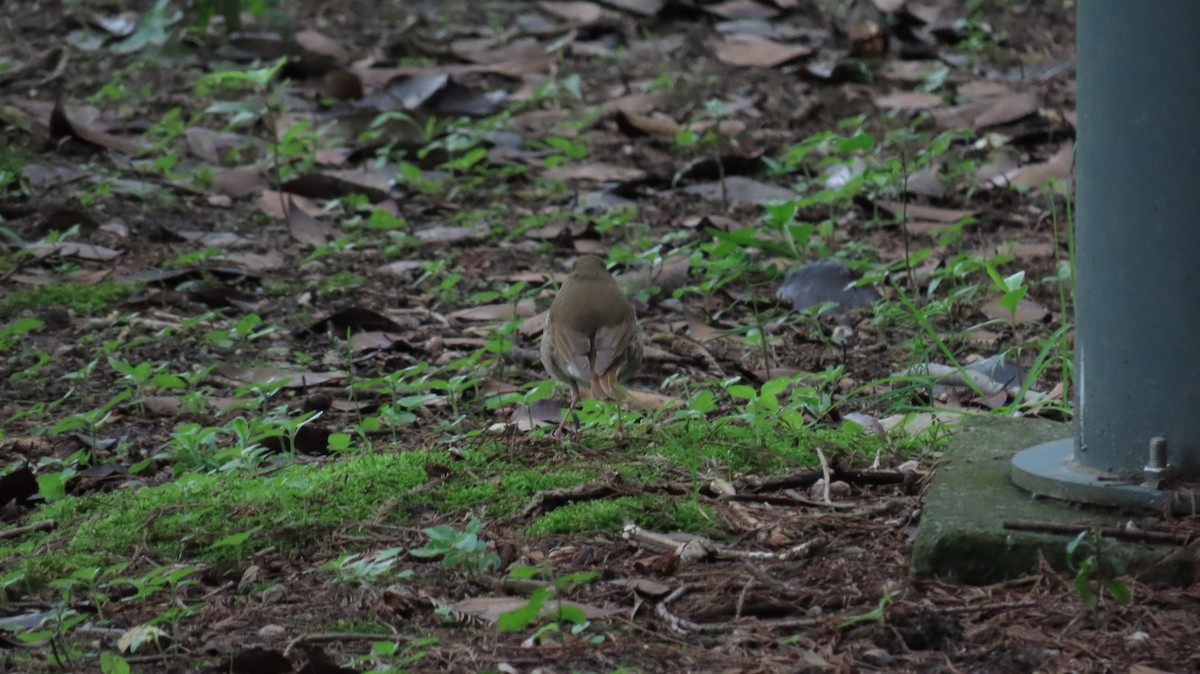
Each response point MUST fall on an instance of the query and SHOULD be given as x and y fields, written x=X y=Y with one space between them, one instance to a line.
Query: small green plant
x=459 y=548
x=388 y=657
x=876 y=615
x=525 y=616
x=1089 y=555
x=367 y=569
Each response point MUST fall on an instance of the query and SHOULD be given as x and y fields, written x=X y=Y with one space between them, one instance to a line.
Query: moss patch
x=83 y=298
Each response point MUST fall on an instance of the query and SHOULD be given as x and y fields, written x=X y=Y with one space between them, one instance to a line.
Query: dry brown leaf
x=595 y=171
x=308 y=230
x=534 y=324
x=63 y=126
x=980 y=89
x=911 y=71
x=214 y=146
x=987 y=112
x=257 y=262
x=633 y=124
x=444 y=234
x=270 y=202
x=372 y=340
x=909 y=100
x=754 y=51
x=241 y=181
x=497 y=312
x=83 y=251
x=741 y=9
x=739 y=189
x=45 y=176
x=920 y=212
x=319 y=43
x=267 y=374
x=1028 y=311
x=636 y=103
x=642 y=7
x=576 y=12
x=1035 y=176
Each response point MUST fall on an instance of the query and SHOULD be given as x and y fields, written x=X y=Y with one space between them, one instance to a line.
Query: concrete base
x=961 y=537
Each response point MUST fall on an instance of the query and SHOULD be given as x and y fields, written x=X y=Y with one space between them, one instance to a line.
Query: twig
x=321 y=637
x=699 y=548
x=36 y=526
x=682 y=625
x=824 y=472
x=994 y=606
x=1112 y=532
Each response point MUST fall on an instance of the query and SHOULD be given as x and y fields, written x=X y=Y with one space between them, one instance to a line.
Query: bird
x=592 y=338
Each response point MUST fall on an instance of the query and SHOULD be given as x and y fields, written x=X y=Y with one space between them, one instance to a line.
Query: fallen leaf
x=497 y=312
x=921 y=212
x=909 y=100
x=83 y=251
x=577 y=12
x=319 y=43
x=739 y=189
x=1028 y=311
x=1035 y=176
x=62 y=126
x=754 y=51
x=309 y=230
x=633 y=124
x=741 y=9
x=642 y=7
x=596 y=171
x=816 y=283
x=988 y=112
x=450 y=234
x=267 y=375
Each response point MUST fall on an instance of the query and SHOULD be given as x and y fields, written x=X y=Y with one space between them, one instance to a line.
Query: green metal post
x=1137 y=296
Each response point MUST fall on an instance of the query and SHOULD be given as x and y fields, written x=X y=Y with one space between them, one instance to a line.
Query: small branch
x=825 y=476
x=36 y=526
x=994 y=606
x=322 y=637
x=686 y=626
x=1118 y=533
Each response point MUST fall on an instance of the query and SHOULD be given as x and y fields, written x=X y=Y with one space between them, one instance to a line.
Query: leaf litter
x=795 y=559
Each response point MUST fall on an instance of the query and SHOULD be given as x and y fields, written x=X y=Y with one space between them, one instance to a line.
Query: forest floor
x=270 y=302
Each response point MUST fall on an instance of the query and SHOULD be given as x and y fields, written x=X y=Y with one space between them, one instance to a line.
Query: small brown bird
x=592 y=338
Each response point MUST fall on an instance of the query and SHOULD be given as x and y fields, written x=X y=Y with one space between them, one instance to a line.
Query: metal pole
x=1137 y=296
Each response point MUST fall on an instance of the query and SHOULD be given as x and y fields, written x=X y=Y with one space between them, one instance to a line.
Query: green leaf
x=520 y=618
x=50 y=486
x=775 y=386
x=111 y=663
x=860 y=141
x=742 y=391
x=1120 y=591
x=572 y=613
x=524 y=572
x=233 y=540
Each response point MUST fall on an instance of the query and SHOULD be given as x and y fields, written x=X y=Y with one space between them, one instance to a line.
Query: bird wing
x=576 y=352
x=610 y=344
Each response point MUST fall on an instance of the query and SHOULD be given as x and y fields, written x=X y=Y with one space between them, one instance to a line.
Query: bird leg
x=620 y=430
x=569 y=412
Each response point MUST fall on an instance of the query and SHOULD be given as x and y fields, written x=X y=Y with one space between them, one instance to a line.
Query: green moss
x=84 y=298
x=184 y=518
x=650 y=511
x=40 y=569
